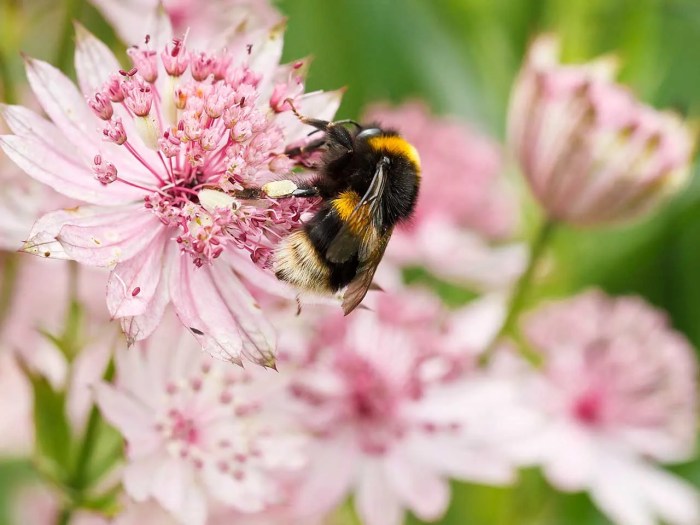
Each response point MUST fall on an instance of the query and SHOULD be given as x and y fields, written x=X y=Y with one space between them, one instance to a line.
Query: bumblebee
x=368 y=180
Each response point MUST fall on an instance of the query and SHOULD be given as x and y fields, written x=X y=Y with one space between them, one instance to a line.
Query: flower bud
x=591 y=152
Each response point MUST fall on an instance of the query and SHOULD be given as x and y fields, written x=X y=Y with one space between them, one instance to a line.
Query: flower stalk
x=522 y=288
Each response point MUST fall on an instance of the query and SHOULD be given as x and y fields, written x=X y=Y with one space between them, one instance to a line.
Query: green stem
x=86 y=450
x=64 y=57
x=8 y=88
x=78 y=482
x=522 y=288
x=66 y=514
x=9 y=264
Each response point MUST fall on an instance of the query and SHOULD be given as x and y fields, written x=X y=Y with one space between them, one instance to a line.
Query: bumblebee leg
x=309 y=148
x=311 y=191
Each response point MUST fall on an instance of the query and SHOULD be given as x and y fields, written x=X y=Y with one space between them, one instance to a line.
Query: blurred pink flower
x=133 y=18
x=394 y=410
x=591 y=152
x=617 y=390
x=34 y=312
x=464 y=201
x=151 y=513
x=199 y=431
x=174 y=124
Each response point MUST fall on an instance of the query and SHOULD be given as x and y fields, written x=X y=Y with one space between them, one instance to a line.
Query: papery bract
x=139 y=151
x=617 y=390
x=591 y=152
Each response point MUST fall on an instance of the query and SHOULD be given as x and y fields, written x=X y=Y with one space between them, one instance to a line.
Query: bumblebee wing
x=346 y=243
x=358 y=287
x=373 y=195
x=343 y=246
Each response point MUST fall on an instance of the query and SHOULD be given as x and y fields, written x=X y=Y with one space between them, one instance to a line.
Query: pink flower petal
x=175 y=489
x=425 y=493
x=64 y=104
x=138 y=476
x=94 y=62
x=137 y=328
x=220 y=313
x=132 y=419
x=127 y=17
x=26 y=123
x=319 y=492
x=376 y=502
x=318 y=104
x=105 y=237
x=133 y=283
x=673 y=499
x=266 y=54
x=64 y=174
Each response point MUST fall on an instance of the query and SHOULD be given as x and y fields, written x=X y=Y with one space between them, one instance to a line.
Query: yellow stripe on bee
x=397 y=146
x=345 y=204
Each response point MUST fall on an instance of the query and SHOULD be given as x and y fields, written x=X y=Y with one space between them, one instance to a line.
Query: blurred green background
x=461 y=57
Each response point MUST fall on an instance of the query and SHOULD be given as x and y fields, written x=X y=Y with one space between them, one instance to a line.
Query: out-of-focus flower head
x=394 y=410
x=205 y=20
x=151 y=513
x=617 y=389
x=591 y=152
x=464 y=203
x=139 y=151
x=199 y=432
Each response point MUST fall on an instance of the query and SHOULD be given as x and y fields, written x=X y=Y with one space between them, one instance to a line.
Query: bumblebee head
x=391 y=144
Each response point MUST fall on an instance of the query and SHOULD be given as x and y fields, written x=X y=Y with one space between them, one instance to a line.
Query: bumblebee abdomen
x=301 y=257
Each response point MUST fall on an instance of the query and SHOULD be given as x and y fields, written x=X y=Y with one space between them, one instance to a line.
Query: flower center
x=205 y=125
x=182 y=428
x=588 y=408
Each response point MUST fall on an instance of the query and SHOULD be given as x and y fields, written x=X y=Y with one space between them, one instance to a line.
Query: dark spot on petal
x=135 y=291
x=196 y=331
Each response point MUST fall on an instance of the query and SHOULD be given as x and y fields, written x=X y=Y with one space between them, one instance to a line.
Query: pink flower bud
x=590 y=150
x=201 y=65
x=114 y=131
x=101 y=106
x=113 y=88
x=105 y=172
x=242 y=131
x=138 y=96
x=145 y=62
x=175 y=58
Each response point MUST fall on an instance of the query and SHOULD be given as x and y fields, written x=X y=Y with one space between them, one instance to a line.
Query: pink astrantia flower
x=139 y=151
x=394 y=411
x=591 y=152
x=617 y=391
x=205 y=20
x=464 y=203
x=199 y=432
x=153 y=514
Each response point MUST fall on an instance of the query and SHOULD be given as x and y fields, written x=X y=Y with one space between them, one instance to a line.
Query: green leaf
x=53 y=434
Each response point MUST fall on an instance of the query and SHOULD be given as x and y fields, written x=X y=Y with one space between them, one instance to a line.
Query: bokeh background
x=460 y=57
